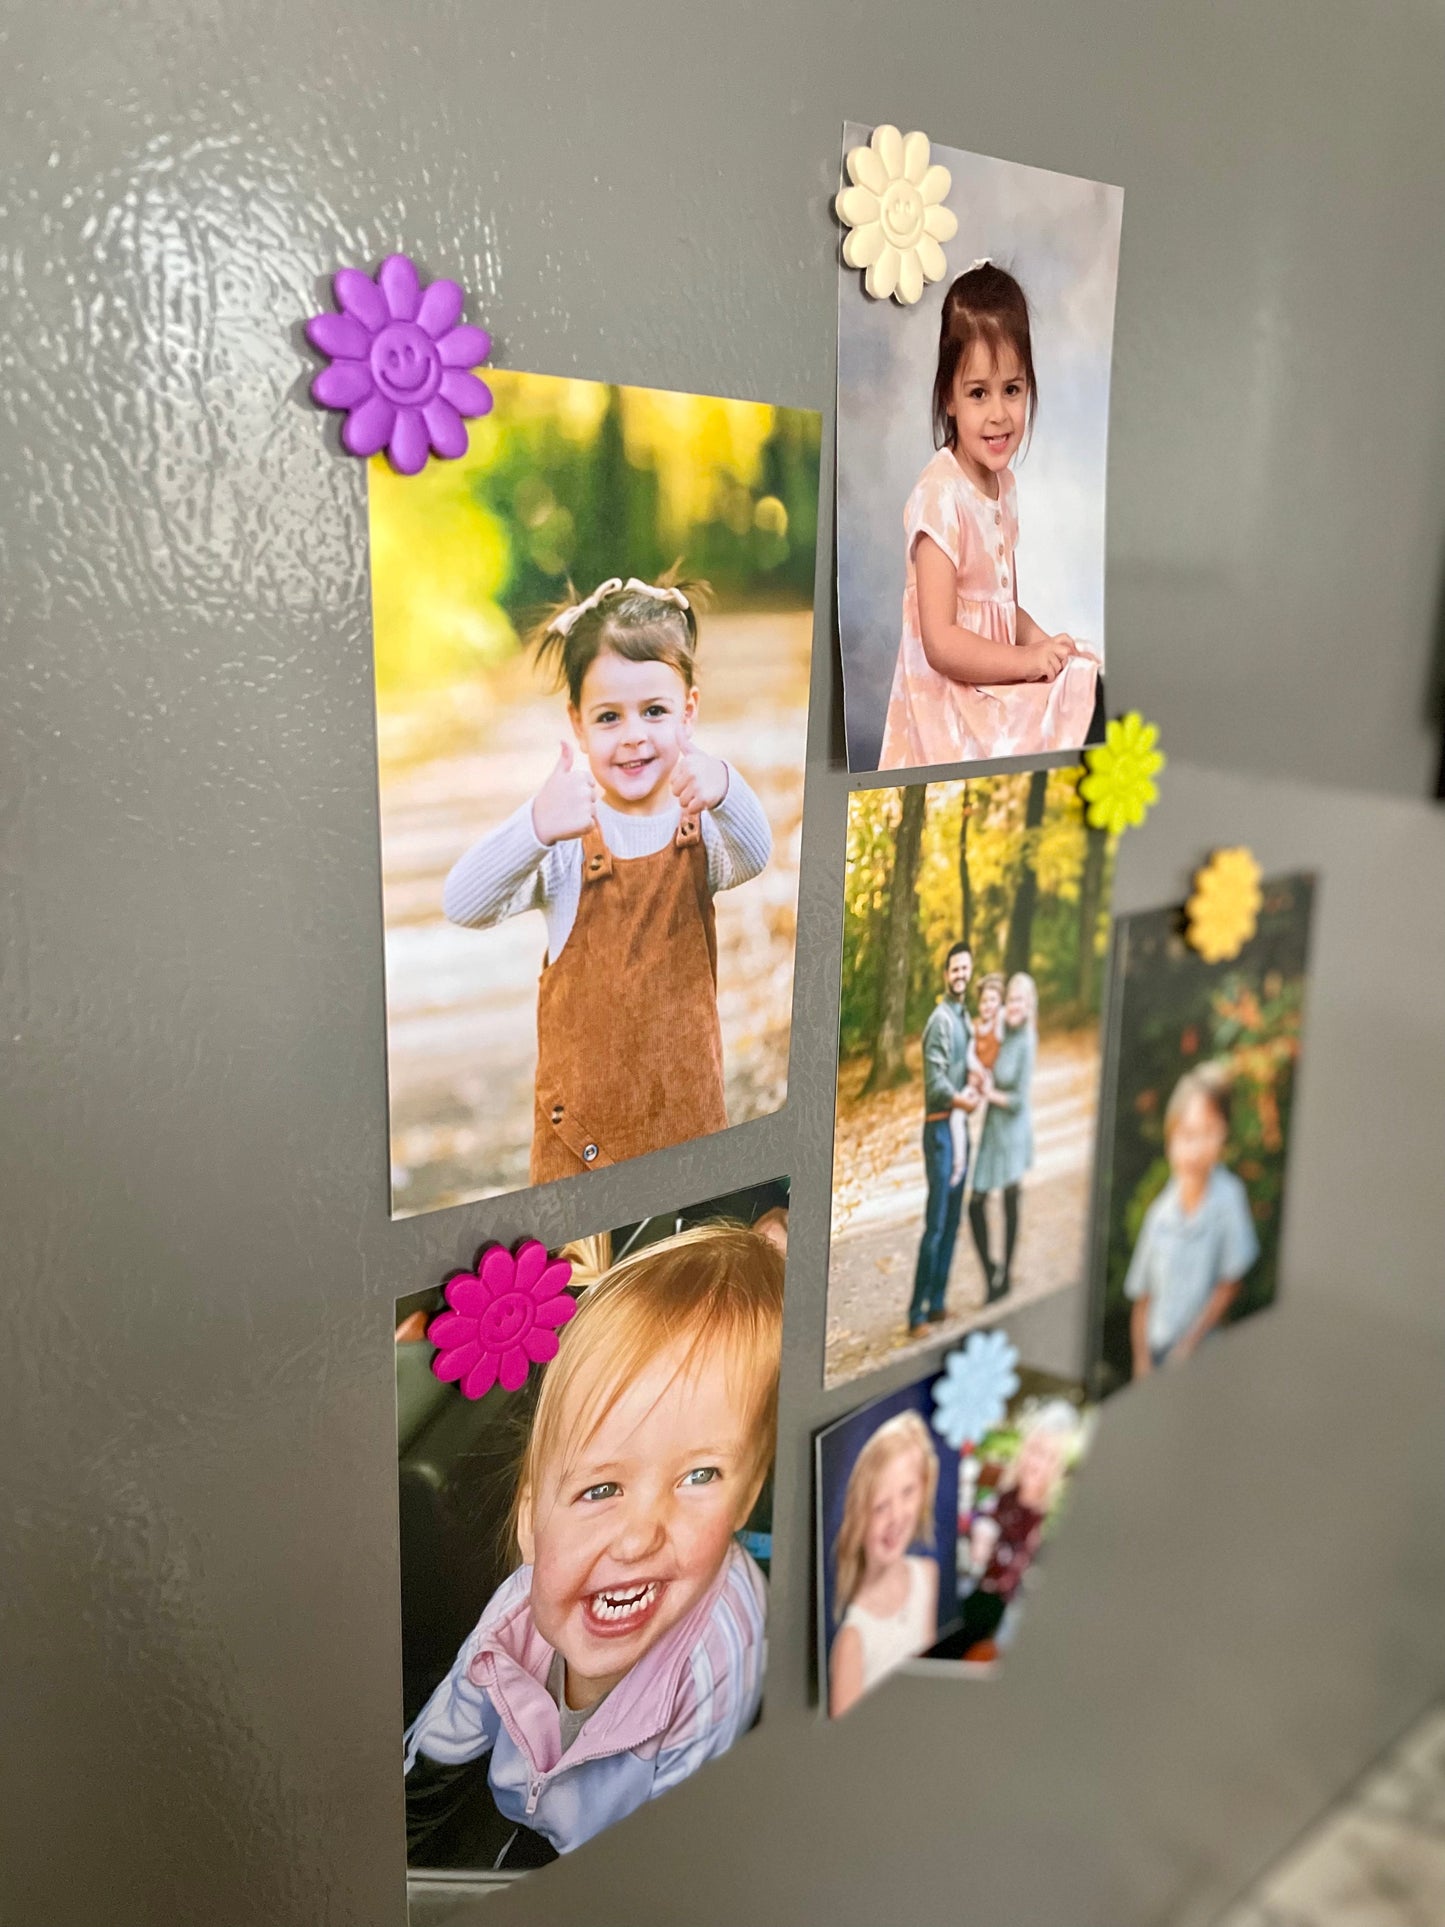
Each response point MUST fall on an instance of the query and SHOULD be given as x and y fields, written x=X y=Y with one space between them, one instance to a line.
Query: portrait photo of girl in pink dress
x=978 y=419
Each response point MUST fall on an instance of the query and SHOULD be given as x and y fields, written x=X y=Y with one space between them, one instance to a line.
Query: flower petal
x=934 y=186
x=451 y=1328
x=931 y=258
x=530 y=1263
x=556 y=1311
x=396 y=277
x=540 y=1343
x=445 y=428
x=466 y=393
x=887 y=144
x=940 y=222
x=455 y=1362
x=367 y=430
x=866 y=170
x=359 y=295
x=856 y=206
x=553 y=1280
x=342 y=385
x=408 y=445
x=482 y=1377
x=910 y=275
x=440 y=307
x=466 y=1293
x=497 y=1270
x=915 y=157
x=339 y=335
x=882 y=276
x=862 y=247
x=464 y=347
x=515 y=1366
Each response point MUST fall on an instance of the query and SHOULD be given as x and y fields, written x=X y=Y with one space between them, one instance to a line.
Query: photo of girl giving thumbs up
x=622 y=849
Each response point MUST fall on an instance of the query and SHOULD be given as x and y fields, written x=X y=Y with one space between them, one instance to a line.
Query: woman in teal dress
x=1006 y=1143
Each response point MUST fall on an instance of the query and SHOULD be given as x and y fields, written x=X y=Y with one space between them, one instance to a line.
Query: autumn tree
x=896 y=962
x=1026 y=892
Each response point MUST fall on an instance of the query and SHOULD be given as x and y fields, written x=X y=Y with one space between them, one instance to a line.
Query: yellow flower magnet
x=1119 y=789
x=1223 y=913
x=895 y=215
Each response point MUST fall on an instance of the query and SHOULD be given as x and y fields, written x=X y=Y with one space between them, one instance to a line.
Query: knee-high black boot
x=978 y=1225
x=1010 y=1234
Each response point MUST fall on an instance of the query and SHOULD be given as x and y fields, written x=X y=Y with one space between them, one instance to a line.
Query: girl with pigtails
x=622 y=849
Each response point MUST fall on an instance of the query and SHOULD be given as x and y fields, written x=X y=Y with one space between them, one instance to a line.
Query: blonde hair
x=993 y=981
x=904 y=1432
x=1209 y=1081
x=720 y=1286
x=1021 y=980
x=1054 y=1416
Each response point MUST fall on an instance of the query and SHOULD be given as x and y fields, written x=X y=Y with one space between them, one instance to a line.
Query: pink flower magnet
x=503 y=1318
x=400 y=364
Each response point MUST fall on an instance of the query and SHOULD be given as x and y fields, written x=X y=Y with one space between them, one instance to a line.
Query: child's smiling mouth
x=634 y=765
x=996 y=444
x=622 y=1609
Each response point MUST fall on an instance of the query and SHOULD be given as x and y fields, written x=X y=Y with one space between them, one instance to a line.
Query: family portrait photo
x=972 y=424
x=975 y=923
x=886 y=1506
x=585 y=1557
x=593 y=634
x=1192 y=1176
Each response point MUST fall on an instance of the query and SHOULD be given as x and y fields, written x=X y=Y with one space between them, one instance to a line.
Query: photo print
x=584 y=1559
x=1204 y=1058
x=593 y=634
x=972 y=424
x=975 y=923
x=886 y=1498
x=1011 y=1486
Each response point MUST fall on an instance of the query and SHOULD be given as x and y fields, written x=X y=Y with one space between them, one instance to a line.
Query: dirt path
x=879 y=1195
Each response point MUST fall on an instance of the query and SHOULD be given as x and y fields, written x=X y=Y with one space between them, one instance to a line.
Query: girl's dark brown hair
x=986 y=304
x=629 y=622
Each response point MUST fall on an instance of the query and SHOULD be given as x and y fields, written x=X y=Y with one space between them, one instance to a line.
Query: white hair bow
x=564 y=623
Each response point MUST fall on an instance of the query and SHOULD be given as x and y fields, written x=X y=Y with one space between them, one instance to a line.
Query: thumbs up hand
x=566 y=804
x=699 y=781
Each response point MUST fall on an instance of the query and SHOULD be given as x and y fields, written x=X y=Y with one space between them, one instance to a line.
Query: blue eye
x=609 y=1489
x=702 y=1475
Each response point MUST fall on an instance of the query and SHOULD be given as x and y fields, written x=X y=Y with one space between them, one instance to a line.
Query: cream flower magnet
x=895 y=215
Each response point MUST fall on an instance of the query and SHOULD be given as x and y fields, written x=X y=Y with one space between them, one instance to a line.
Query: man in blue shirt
x=947 y=1041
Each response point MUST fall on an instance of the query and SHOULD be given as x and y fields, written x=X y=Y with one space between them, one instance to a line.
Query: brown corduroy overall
x=629 y=1050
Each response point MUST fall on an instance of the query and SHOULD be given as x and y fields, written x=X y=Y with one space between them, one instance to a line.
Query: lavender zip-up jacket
x=683 y=1703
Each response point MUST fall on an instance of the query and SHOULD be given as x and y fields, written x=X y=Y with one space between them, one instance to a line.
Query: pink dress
x=932 y=718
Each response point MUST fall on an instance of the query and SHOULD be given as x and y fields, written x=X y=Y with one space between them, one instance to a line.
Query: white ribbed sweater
x=509 y=870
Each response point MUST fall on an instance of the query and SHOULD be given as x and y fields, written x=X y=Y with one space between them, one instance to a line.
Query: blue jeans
x=940 y=1224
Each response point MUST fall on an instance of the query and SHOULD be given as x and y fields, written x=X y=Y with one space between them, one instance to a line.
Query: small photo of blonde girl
x=886 y=1503
x=625 y=1646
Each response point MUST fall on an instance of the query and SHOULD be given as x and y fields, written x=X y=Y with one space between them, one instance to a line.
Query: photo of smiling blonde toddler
x=627 y=1648
x=622 y=849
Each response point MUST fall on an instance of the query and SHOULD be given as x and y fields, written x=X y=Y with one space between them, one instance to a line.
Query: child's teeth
x=613 y=1605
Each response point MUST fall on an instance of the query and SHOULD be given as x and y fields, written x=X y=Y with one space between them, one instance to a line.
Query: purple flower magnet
x=503 y=1318
x=401 y=361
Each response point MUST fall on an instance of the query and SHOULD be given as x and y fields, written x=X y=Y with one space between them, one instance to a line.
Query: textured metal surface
x=200 y=1656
